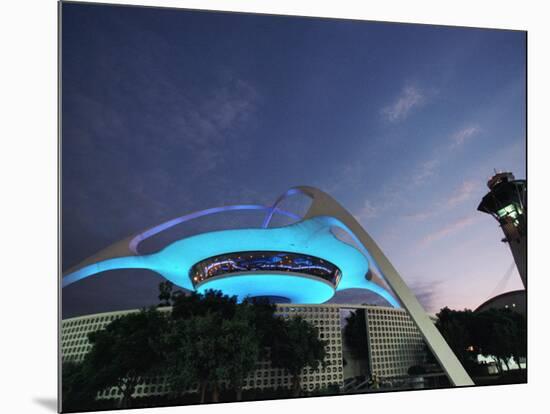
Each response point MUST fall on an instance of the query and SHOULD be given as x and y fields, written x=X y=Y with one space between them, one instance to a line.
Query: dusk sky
x=170 y=111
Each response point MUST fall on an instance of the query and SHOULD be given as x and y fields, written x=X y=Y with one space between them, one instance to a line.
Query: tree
x=78 y=390
x=355 y=334
x=495 y=334
x=500 y=333
x=197 y=304
x=296 y=345
x=263 y=322
x=429 y=357
x=126 y=351
x=519 y=344
x=241 y=346
x=194 y=354
x=456 y=328
x=165 y=293
x=214 y=339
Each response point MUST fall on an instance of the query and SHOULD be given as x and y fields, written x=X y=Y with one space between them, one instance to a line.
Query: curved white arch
x=324 y=205
x=192 y=216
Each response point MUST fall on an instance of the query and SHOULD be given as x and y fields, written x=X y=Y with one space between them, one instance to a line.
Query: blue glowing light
x=297 y=288
x=309 y=237
x=192 y=216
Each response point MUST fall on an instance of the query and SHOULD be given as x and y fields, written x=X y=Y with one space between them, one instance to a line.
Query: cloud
x=367 y=210
x=393 y=195
x=427 y=294
x=463 y=193
x=350 y=174
x=409 y=98
x=460 y=137
x=426 y=170
x=232 y=103
x=448 y=229
x=206 y=124
x=421 y=215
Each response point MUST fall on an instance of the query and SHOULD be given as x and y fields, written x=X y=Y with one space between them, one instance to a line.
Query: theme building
x=303 y=263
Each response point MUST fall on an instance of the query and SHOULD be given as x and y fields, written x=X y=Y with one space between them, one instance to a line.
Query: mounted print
x=262 y=207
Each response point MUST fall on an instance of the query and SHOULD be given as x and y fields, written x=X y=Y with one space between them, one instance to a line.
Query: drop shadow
x=49 y=403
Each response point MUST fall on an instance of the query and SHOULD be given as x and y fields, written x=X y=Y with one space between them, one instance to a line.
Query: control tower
x=506 y=201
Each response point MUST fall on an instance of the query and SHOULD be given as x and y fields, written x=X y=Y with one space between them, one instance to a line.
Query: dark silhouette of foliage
x=429 y=356
x=78 y=390
x=208 y=339
x=263 y=323
x=456 y=327
x=126 y=351
x=498 y=334
x=355 y=334
x=296 y=345
x=197 y=304
x=501 y=333
x=214 y=339
x=519 y=346
x=165 y=293
x=194 y=354
x=242 y=343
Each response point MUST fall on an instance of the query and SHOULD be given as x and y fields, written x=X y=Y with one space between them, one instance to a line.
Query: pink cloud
x=448 y=229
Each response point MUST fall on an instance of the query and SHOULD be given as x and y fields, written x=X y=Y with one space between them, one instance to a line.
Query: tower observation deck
x=506 y=201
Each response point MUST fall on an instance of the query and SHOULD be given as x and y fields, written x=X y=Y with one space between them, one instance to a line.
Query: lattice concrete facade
x=394 y=342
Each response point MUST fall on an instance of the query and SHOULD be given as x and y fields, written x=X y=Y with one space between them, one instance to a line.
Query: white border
x=29 y=202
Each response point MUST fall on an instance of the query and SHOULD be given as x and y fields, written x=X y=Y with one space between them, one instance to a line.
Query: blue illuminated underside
x=309 y=237
x=298 y=289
